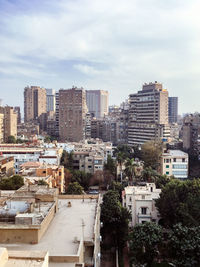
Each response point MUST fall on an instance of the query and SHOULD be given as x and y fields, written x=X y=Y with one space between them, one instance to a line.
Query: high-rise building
x=148 y=114
x=34 y=102
x=51 y=100
x=72 y=114
x=1 y=127
x=10 y=122
x=97 y=102
x=173 y=109
x=18 y=112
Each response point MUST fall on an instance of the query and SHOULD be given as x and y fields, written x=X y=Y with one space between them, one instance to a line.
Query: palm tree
x=120 y=160
x=130 y=165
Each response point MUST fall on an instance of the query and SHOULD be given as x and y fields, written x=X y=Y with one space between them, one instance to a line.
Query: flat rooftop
x=65 y=229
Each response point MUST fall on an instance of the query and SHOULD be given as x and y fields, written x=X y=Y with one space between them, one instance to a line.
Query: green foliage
x=74 y=189
x=11 y=139
x=116 y=186
x=124 y=150
x=42 y=182
x=184 y=246
x=151 y=152
x=149 y=175
x=11 y=183
x=162 y=180
x=67 y=160
x=110 y=165
x=115 y=219
x=144 y=241
x=179 y=202
x=130 y=165
x=82 y=178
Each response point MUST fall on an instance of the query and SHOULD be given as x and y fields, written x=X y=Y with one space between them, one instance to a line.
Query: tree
x=130 y=165
x=110 y=165
x=179 y=202
x=67 y=160
x=162 y=180
x=120 y=156
x=151 y=152
x=125 y=150
x=149 y=175
x=42 y=182
x=47 y=139
x=184 y=246
x=74 y=189
x=12 y=183
x=115 y=219
x=11 y=139
x=82 y=178
x=144 y=241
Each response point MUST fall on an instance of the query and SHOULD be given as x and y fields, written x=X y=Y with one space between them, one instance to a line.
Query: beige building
x=148 y=114
x=174 y=163
x=6 y=166
x=10 y=122
x=72 y=113
x=140 y=201
x=35 y=102
x=1 y=127
x=97 y=102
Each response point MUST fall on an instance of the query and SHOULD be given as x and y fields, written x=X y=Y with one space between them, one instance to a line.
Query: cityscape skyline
x=112 y=46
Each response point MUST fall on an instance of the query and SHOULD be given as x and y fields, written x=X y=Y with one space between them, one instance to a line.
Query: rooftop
x=176 y=153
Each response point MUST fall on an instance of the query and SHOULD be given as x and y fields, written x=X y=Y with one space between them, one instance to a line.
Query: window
x=167 y=166
x=129 y=206
x=130 y=199
x=179 y=166
x=144 y=210
x=167 y=173
x=183 y=159
x=174 y=159
x=143 y=196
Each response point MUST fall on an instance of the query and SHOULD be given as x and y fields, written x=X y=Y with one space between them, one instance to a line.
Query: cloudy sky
x=101 y=44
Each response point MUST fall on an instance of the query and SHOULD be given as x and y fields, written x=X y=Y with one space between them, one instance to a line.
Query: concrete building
x=10 y=122
x=51 y=100
x=35 y=102
x=97 y=102
x=34 y=172
x=148 y=114
x=66 y=226
x=72 y=114
x=23 y=153
x=140 y=201
x=28 y=130
x=174 y=163
x=191 y=134
x=1 y=127
x=173 y=109
x=6 y=166
x=18 y=112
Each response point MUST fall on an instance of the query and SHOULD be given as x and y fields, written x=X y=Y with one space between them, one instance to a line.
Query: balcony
x=144 y=215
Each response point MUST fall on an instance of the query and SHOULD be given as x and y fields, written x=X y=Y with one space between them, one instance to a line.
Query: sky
x=114 y=45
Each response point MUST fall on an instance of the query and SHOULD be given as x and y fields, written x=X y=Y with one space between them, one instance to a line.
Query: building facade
x=148 y=114
x=9 y=122
x=35 y=102
x=72 y=114
x=51 y=100
x=173 y=109
x=97 y=102
x=174 y=163
x=140 y=201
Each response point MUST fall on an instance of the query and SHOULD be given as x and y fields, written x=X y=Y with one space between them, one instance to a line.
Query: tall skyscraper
x=173 y=109
x=9 y=122
x=51 y=100
x=34 y=102
x=148 y=114
x=17 y=110
x=97 y=102
x=72 y=114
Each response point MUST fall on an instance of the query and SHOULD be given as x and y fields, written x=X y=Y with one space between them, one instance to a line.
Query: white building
x=175 y=162
x=140 y=201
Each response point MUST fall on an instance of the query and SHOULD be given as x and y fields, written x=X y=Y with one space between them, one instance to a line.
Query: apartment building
x=51 y=100
x=18 y=111
x=9 y=122
x=6 y=166
x=173 y=109
x=72 y=114
x=148 y=114
x=97 y=102
x=35 y=102
x=140 y=201
x=1 y=127
x=175 y=163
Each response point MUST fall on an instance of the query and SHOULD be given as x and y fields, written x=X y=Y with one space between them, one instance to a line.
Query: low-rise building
x=175 y=163
x=140 y=201
x=6 y=166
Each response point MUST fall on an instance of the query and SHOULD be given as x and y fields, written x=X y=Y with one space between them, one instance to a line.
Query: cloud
x=114 y=45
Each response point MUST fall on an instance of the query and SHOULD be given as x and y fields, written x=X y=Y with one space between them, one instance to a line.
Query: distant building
x=173 y=109
x=6 y=166
x=175 y=163
x=51 y=100
x=97 y=102
x=35 y=102
x=140 y=201
x=18 y=112
x=148 y=114
x=1 y=127
x=72 y=114
x=10 y=122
